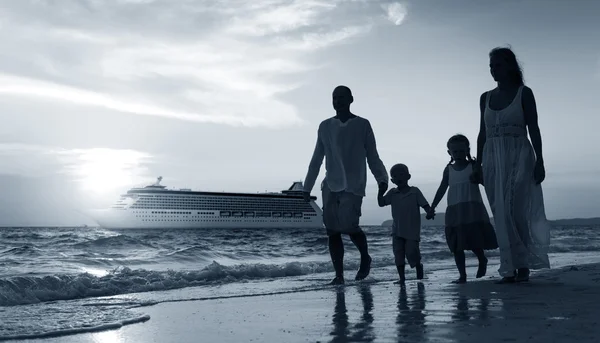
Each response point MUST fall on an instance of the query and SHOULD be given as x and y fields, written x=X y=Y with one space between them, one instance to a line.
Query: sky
x=98 y=96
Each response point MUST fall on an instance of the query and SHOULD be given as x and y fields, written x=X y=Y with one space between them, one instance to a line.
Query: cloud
x=49 y=90
x=396 y=12
x=279 y=19
x=224 y=62
x=313 y=41
x=26 y=160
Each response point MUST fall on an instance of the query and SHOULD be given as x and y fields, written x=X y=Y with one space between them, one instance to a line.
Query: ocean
x=56 y=281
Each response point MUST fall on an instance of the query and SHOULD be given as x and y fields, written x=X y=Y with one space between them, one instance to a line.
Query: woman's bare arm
x=531 y=120
x=482 y=134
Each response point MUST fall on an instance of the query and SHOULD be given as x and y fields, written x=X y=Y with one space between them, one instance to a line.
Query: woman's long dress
x=517 y=203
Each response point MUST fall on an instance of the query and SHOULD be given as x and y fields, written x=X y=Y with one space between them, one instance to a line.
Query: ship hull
x=127 y=219
x=155 y=207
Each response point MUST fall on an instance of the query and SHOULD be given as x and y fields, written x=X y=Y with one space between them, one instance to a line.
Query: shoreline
x=557 y=305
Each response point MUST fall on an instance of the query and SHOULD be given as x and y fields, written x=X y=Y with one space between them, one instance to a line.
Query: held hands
x=539 y=172
x=430 y=213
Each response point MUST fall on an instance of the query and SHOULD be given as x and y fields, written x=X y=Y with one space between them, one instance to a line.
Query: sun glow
x=104 y=171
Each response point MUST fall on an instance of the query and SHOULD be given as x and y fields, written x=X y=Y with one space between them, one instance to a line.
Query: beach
x=557 y=305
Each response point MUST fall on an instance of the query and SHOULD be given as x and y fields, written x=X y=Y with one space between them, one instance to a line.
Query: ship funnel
x=296 y=186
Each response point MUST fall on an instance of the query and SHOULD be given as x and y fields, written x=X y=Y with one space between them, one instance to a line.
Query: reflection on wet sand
x=420 y=316
x=473 y=308
x=462 y=309
x=451 y=306
x=340 y=318
x=410 y=320
x=364 y=328
x=362 y=331
x=482 y=309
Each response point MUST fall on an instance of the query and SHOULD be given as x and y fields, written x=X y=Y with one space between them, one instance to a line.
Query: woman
x=512 y=170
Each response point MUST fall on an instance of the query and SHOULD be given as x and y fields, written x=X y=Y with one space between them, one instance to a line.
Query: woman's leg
x=482 y=269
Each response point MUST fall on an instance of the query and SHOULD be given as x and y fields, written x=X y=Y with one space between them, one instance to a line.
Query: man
x=346 y=140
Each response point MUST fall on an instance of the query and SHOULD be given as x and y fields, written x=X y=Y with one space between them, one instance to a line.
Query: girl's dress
x=468 y=225
x=517 y=203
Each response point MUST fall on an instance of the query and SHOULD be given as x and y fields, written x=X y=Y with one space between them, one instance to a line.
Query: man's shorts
x=341 y=211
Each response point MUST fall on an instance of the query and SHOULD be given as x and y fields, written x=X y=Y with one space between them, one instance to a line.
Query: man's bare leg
x=360 y=240
x=336 y=251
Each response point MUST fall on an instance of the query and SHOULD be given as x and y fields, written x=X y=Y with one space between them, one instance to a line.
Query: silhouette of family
x=508 y=164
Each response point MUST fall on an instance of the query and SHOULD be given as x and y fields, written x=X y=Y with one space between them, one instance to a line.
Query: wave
x=194 y=251
x=30 y=290
x=24 y=250
x=21 y=290
x=38 y=321
x=123 y=241
x=78 y=330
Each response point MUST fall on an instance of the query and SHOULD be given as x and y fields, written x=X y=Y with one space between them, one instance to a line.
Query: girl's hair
x=458 y=138
x=516 y=72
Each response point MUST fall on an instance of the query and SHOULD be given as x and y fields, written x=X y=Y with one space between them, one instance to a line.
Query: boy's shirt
x=406 y=212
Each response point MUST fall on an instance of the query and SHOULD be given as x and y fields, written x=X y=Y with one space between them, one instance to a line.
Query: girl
x=467 y=223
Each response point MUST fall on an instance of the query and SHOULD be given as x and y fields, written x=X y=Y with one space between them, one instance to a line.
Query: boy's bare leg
x=413 y=255
x=399 y=245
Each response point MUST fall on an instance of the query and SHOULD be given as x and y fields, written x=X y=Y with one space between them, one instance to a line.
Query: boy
x=406 y=230
x=347 y=140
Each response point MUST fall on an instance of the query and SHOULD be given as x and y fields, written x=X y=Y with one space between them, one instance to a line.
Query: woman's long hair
x=516 y=72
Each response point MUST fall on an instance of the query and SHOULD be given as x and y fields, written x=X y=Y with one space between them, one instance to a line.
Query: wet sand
x=559 y=305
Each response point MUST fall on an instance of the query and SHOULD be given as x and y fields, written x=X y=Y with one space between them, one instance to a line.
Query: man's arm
x=315 y=164
x=384 y=200
x=375 y=164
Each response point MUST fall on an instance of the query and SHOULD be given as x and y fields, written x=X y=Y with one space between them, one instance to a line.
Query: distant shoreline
x=439 y=221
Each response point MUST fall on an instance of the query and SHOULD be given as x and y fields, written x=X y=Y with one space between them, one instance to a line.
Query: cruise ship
x=155 y=206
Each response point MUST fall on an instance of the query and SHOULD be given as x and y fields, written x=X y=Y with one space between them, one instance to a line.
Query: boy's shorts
x=341 y=212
